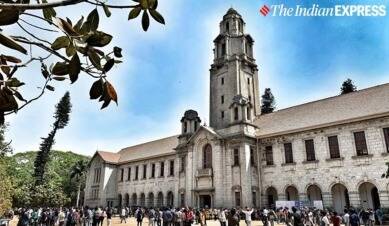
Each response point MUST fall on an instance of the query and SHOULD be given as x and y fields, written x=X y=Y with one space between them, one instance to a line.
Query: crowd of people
x=190 y=216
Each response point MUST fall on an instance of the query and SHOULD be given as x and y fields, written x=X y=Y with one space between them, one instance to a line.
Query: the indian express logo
x=336 y=10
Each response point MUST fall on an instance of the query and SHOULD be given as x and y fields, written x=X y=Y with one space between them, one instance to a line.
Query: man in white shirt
x=346 y=218
x=248 y=213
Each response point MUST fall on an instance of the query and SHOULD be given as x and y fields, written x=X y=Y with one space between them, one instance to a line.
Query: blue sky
x=166 y=70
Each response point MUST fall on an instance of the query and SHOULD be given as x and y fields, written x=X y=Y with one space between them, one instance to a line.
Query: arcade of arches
x=338 y=199
x=149 y=200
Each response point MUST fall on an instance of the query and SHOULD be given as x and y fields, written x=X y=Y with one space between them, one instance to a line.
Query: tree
x=77 y=49
x=5 y=180
x=78 y=172
x=61 y=117
x=268 y=103
x=20 y=167
x=347 y=87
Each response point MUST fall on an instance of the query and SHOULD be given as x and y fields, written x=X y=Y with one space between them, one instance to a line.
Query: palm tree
x=78 y=172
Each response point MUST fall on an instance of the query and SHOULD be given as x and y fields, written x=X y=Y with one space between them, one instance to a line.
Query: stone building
x=332 y=149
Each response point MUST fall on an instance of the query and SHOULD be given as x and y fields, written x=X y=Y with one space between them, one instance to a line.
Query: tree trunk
x=78 y=195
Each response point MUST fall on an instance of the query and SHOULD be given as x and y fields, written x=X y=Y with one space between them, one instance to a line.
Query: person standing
x=335 y=219
x=364 y=215
x=233 y=219
x=139 y=216
x=380 y=215
x=123 y=215
x=346 y=218
x=354 y=219
x=189 y=218
x=61 y=218
x=247 y=214
x=297 y=221
x=151 y=216
x=222 y=217
x=272 y=216
x=109 y=216
x=324 y=219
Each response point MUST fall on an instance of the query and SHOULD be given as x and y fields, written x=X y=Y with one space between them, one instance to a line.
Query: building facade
x=333 y=150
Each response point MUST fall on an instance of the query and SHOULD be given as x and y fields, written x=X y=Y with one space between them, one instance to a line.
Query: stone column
x=384 y=199
x=228 y=199
x=218 y=197
x=245 y=174
x=189 y=178
x=281 y=196
x=327 y=199
x=354 y=198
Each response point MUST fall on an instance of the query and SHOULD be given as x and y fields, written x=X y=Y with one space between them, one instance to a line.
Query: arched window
x=207 y=156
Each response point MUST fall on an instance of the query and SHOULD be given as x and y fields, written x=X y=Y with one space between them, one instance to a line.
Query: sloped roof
x=155 y=148
x=362 y=104
x=109 y=157
x=207 y=128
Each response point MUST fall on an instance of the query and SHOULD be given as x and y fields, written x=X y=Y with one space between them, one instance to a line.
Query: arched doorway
x=150 y=200
x=207 y=156
x=126 y=200
x=134 y=199
x=159 y=199
x=291 y=193
x=170 y=199
x=314 y=193
x=272 y=197
x=120 y=200
x=368 y=194
x=340 y=198
x=142 y=201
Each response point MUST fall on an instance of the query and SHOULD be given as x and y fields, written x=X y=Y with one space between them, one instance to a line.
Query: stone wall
x=349 y=170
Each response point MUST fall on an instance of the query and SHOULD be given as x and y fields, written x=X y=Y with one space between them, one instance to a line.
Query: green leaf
x=93 y=19
x=106 y=10
x=10 y=43
x=145 y=20
x=44 y=70
x=74 y=68
x=109 y=65
x=49 y=87
x=65 y=26
x=14 y=82
x=60 y=68
x=144 y=4
x=48 y=13
x=99 y=39
x=71 y=50
x=19 y=96
x=153 y=4
x=59 y=78
x=94 y=58
x=134 y=13
x=8 y=16
x=60 y=42
x=11 y=59
x=157 y=16
x=117 y=51
x=96 y=89
x=77 y=26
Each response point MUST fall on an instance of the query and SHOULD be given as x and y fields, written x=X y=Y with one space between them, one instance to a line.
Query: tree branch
x=48 y=49
x=98 y=3
x=23 y=6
